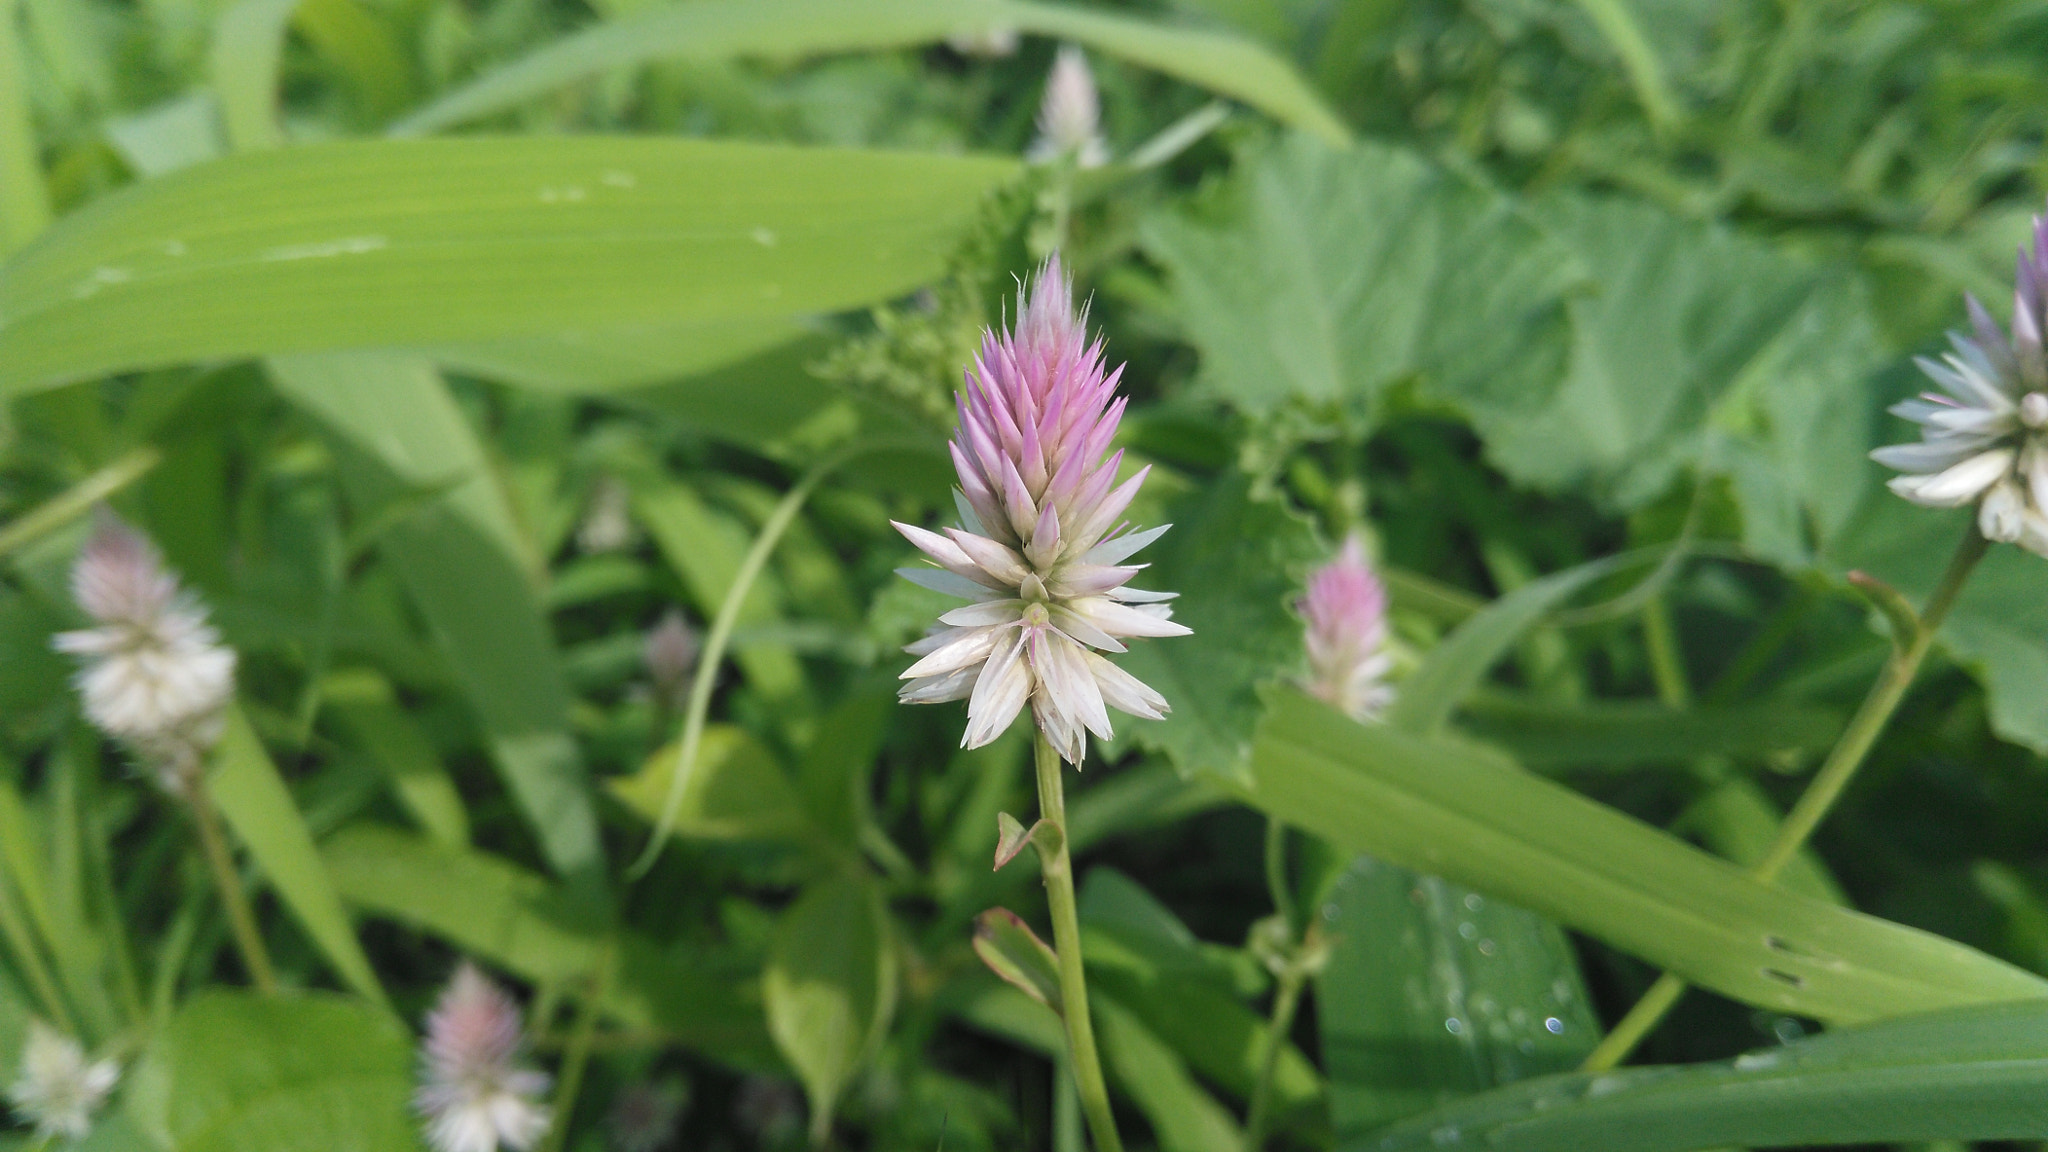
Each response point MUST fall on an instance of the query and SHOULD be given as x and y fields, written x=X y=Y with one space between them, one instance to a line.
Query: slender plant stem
x=1908 y=652
x=1286 y=999
x=1058 y=867
x=241 y=919
x=1276 y=872
x=75 y=501
x=698 y=709
x=577 y=1057
x=1667 y=667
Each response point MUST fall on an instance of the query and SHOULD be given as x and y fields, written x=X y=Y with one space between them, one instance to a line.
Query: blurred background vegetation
x=1507 y=285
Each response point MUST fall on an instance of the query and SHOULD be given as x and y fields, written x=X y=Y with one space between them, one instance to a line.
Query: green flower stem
x=1276 y=872
x=577 y=1057
x=1058 y=868
x=241 y=919
x=77 y=500
x=1908 y=651
x=1286 y=998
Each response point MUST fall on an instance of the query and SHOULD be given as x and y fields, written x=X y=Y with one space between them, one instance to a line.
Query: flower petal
x=1122 y=619
x=1125 y=692
x=1000 y=693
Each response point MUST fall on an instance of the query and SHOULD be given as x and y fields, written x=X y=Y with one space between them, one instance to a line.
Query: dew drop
x=1454 y=1026
x=1468 y=930
x=1474 y=902
x=1553 y=1025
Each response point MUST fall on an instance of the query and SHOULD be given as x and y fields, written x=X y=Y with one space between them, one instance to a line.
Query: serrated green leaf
x=430 y=242
x=258 y=806
x=1325 y=276
x=830 y=987
x=1433 y=992
x=1965 y=1074
x=786 y=29
x=1677 y=314
x=310 y=1073
x=1234 y=562
x=1476 y=819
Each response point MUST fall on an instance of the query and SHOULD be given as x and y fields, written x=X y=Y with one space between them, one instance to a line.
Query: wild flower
x=1070 y=114
x=1040 y=546
x=1345 y=611
x=473 y=1093
x=670 y=653
x=1982 y=437
x=58 y=1089
x=608 y=518
x=154 y=675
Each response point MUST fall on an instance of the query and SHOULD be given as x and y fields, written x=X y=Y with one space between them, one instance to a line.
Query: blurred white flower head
x=1070 y=114
x=58 y=1089
x=608 y=519
x=1040 y=548
x=154 y=674
x=1984 y=436
x=473 y=1093
x=670 y=654
x=1345 y=611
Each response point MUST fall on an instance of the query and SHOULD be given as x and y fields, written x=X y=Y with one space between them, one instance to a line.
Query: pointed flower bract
x=58 y=1089
x=154 y=674
x=1041 y=546
x=1984 y=436
x=1345 y=611
x=473 y=1093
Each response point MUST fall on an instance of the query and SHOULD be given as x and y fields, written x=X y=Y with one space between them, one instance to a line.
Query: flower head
x=58 y=1089
x=1040 y=547
x=1984 y=436
x=670 y=653
x=473 y=1094
x=1346 y=614
x=1069 y=114
x=154 y=674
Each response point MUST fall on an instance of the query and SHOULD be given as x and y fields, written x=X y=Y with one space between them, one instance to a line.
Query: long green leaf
x=1434 y=992
x=389 y=243
x=1966 y=1074
x=1617 y=733
x=259 y=808
x=717 y=29
x=467 y=568
x=515 y=919
x=1476 y=819
x=1456 y=666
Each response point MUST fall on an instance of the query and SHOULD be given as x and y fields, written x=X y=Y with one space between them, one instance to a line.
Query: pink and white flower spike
x=1040 y=549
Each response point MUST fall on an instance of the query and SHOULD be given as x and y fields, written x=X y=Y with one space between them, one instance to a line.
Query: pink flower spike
x=1036 y=415
x=473 y=1094
x=1346 y=614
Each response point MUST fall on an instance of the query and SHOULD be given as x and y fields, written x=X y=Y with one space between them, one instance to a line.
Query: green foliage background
x=444 y=346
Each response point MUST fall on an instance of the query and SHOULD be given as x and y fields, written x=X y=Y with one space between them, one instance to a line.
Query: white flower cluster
x=154 y=674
